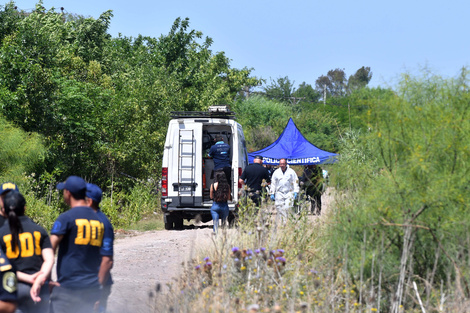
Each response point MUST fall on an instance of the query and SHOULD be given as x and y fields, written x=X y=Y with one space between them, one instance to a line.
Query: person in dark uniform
x=4 y=189
x=28 y=248
x=220 y=153
x=78 y=234
x=312 y=182
x=8 y=297
x=270 y=169
x=253 y=177
x=94 y=195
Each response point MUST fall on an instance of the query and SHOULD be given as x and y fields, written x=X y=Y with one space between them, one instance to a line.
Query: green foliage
x=281 y=88
x=405 y=183
x=320 y=127
x=126 y=208
x=307 y=93
x=334 y=82
x=9 y=17
x=360 y=79
x=40 y=211
x=263 y=120
x=102 y=104
x=20 y=152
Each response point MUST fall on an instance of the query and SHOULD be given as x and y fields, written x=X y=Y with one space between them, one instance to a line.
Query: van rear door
x=187 y=187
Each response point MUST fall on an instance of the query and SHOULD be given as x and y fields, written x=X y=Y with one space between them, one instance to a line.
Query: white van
x=187 y=170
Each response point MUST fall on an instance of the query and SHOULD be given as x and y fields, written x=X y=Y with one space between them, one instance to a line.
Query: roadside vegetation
x=394 y=240
x=75 y=101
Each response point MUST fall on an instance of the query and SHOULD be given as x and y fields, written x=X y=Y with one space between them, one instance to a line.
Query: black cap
x=259 y=157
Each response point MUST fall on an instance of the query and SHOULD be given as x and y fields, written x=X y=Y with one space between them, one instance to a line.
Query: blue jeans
x=219 y=210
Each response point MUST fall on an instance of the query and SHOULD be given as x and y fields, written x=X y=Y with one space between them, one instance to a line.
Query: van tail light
x=240 y=171
x=164 y=181
x=203 y=175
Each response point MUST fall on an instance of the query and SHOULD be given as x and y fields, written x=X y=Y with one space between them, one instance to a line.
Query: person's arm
x=55 y=240
x=267 y=177
x=295 y=180
x=7 y=307
x=274 y=182
x=105 y=268
x=44 y=274
x=26 y=278
x=211 y=195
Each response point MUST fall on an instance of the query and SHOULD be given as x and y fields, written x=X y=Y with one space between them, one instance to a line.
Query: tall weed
x=125 y=208
x=404 y=192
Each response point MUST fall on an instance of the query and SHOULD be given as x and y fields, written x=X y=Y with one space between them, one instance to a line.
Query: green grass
x=152 y=221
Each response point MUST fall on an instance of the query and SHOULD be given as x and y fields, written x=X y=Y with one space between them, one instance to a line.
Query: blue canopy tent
x=293 y=146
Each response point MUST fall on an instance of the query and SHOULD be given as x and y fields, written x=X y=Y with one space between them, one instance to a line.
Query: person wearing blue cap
x=4 y=189
x=28 y=248
x=94 y=195
x=78 y=235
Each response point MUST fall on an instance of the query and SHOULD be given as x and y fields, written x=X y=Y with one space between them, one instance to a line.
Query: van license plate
x=185 y=188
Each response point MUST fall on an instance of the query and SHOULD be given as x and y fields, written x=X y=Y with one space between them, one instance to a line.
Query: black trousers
x=228 y=174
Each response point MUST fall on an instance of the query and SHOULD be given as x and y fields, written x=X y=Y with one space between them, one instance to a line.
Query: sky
x=305 y=39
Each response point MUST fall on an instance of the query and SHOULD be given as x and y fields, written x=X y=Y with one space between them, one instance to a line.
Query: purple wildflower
x=235 y=249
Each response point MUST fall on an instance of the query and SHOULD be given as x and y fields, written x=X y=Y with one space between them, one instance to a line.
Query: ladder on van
x=186 y=167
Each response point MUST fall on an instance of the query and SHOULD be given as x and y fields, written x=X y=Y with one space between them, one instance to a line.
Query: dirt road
x=144 y=259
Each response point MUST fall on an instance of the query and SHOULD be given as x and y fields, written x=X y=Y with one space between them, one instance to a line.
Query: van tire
x=179 y=222
x=169 y=222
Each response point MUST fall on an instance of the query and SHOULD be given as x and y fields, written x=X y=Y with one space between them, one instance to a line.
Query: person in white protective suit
x=284 y=189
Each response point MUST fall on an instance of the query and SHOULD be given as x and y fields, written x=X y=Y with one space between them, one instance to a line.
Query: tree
x=281 y=88
x=307 y=93
x=52 y=90
x=153 y=77
x=334 y=82
x=360 y=79
x=336 y=85
x=9 y=18
x=101 y=103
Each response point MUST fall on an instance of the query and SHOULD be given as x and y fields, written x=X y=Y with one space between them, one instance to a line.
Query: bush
x=404 y=189
x=125 y=208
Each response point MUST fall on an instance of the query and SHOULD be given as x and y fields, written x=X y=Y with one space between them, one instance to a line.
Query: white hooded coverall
x=283 y=186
